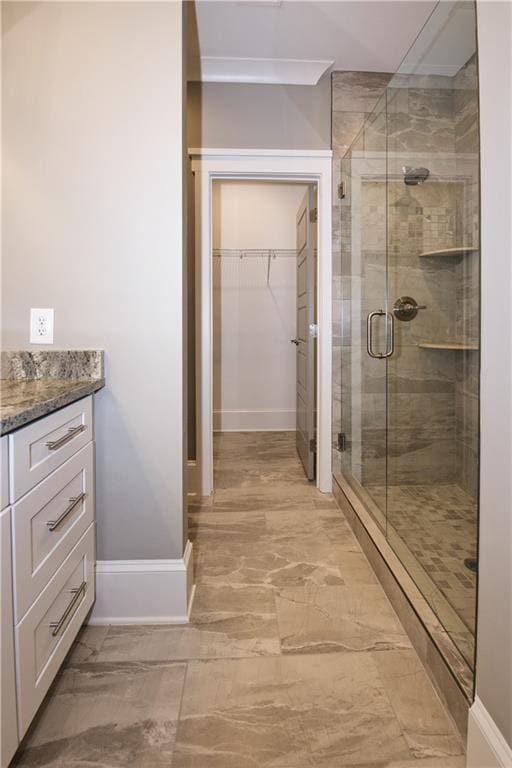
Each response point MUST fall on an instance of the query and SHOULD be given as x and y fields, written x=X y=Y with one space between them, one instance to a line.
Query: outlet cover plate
x=41 y=326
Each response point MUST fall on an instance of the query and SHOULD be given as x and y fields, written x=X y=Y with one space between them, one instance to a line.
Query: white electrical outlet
x=41 y=326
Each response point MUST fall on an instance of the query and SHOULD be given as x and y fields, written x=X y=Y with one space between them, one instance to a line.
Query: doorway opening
x=312 y=355
x=264 y=315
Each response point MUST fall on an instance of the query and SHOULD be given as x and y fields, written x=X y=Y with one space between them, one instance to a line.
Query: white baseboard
x=487 y=747
x=254 y=421
x=144 y=591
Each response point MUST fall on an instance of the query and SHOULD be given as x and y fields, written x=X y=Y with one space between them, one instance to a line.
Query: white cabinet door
x=4 y=472
x=8 y=722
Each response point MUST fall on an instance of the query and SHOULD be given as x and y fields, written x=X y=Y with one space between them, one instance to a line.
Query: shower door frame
x=310 y=167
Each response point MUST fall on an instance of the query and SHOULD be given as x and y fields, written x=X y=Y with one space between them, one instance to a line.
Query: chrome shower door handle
x=369 y=332
x=390 y=334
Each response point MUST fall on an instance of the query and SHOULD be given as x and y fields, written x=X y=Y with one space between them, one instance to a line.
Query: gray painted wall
x=260 y=116
x=92 y=226
x=494 y=633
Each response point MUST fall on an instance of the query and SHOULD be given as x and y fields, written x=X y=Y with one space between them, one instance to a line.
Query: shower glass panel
x=365 y=324
x=410 y=249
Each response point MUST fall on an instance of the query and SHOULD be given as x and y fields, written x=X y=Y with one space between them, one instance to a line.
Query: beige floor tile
x=266 y=562
x=264 y=497
x=227 y=621
x=316 y=524
x=108 y=716
x=87 y=644
x=286 y=712
x=240 y=527
x=427 y=729
x=436 y=762
x=327 y=619
x=258 y=477
x=287 y=649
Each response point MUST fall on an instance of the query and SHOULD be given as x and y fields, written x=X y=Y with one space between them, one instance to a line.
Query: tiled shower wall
x=432 y=397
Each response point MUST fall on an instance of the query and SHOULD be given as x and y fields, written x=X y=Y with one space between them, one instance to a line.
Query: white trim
x=144 y=591
x=196 y=152
x=236 y=69
x=487 y=747
x=254 y=421
x=269 y=165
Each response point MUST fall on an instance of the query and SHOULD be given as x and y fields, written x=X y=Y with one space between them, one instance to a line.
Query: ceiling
x=296 y=41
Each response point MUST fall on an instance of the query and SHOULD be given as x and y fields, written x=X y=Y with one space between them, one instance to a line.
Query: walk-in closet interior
x=254 y=304
x=406 y=304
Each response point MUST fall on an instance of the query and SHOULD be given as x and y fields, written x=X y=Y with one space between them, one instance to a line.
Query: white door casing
x=308 y=166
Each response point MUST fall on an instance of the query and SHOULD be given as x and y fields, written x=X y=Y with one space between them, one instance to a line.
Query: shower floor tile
x=438 y=525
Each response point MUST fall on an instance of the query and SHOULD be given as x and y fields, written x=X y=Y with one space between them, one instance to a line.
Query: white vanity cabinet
x=48 y=557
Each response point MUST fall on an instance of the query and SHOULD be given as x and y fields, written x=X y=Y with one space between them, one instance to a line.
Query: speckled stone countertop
x=36 y=384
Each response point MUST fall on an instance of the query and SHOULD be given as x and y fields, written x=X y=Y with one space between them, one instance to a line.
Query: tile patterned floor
x=438 y=524
x=294 y=658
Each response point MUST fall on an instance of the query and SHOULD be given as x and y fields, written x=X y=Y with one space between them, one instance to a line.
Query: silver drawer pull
x=56 y=626
x=53 y=524
x=70 y=434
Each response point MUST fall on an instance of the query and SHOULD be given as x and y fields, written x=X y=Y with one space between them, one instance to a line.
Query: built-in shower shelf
x=448 y=345
x=461 y=251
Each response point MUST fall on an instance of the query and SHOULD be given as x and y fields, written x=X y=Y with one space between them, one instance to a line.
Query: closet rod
x=242 y=253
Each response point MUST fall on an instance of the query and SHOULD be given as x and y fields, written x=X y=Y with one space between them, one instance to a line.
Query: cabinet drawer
x=47 y=523
x=4 y=473
x=45 y=635
x=41 y=447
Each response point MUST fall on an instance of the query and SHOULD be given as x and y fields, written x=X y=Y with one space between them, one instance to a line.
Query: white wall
x=490 y=725
x=92 y=226
x=254 y=362
x=260 y=116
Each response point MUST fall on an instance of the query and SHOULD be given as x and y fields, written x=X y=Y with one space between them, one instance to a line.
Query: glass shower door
x=408 y=445
x=365 y=334
x=432 y=376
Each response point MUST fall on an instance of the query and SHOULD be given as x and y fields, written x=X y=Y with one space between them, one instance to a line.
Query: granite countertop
x=34 y=384
x=24 y=400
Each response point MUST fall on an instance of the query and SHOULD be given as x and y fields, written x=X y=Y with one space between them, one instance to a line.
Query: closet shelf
x=460 y=251
x=448 y=345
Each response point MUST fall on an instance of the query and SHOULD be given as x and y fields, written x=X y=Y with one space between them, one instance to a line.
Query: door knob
x=295 y=341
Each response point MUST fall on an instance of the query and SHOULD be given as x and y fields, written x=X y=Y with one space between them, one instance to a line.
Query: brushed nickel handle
x=295 y=341
x=54 y=524
x=56 y=626
x=70 y=434
x=369 y=333
x=390 y=324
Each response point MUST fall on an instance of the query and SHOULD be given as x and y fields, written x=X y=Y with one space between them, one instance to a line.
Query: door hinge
x=312 y=445
x=313 y=330
x=342 y=191
x=313 y=215
x=342 y=442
